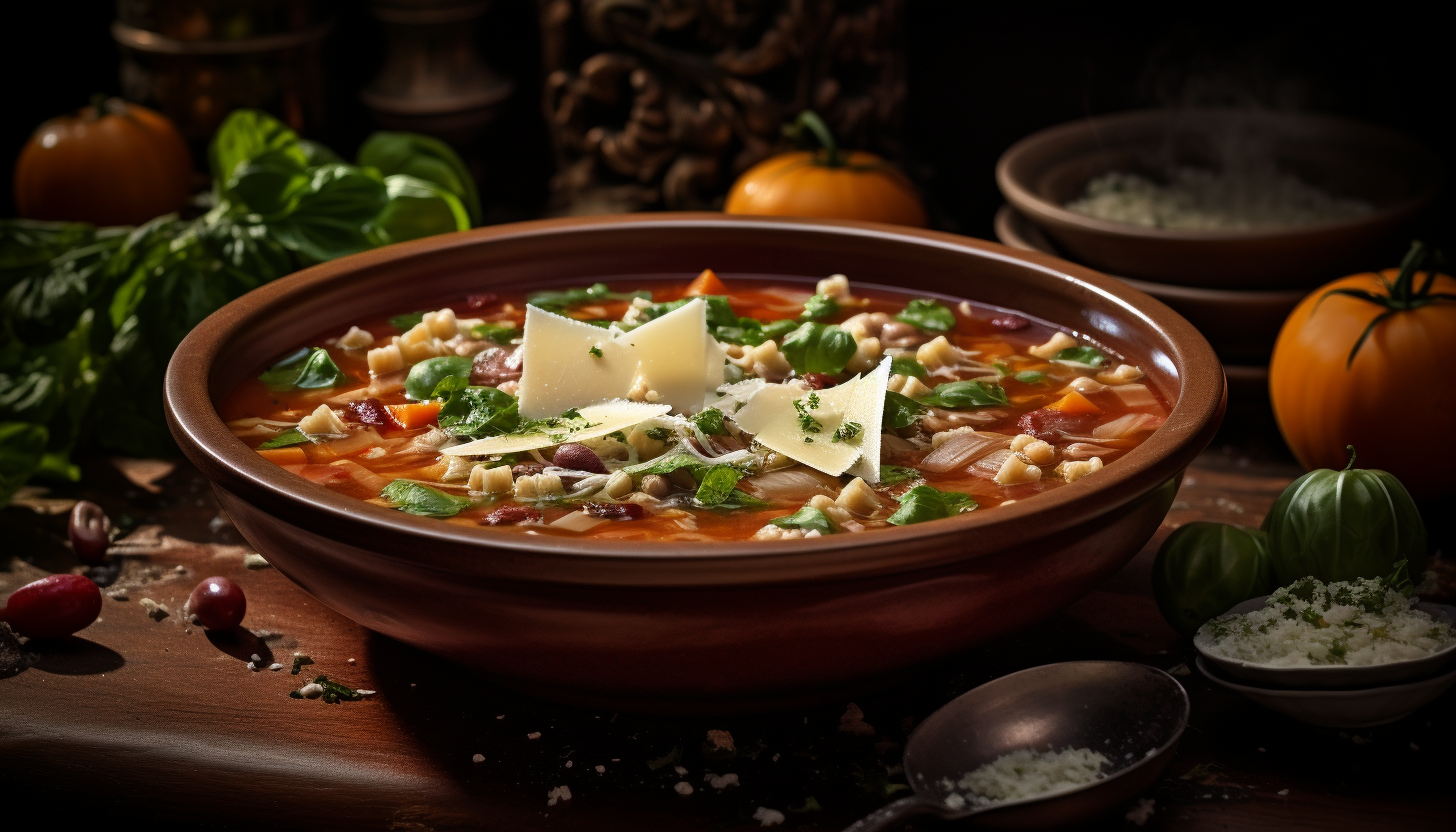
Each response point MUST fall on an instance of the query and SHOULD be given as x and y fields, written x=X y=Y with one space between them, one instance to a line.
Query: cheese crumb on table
x=768 y=817
x=534 y=735
x=683 y=788
x=558 y=794
x=477 y=758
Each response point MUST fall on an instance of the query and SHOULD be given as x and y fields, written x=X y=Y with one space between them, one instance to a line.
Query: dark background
x=981 y=77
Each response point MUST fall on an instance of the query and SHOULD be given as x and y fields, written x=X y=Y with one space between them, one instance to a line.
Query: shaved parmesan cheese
x=601 y=419
x=671 y=360
x=776 y=413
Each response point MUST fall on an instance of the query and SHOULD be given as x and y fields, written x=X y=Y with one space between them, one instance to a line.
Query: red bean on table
x=90 y=532
x=54 y=606
x=218 y=604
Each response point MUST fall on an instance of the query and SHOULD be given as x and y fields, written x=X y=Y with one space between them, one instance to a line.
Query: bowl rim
x=1218 y=677
x=230 y=464
x=1010 y=170
x=1352 y=674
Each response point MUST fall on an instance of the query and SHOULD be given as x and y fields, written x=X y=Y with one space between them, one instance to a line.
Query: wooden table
x=152 y=719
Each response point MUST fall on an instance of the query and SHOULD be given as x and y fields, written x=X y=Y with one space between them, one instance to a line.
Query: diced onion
x=960 y=449
x=1126 y=425
x=795 y=485
x=988 y=465
x=1135 y=395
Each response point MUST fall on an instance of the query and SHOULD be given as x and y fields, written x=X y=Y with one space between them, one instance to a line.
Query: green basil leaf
x=292 y=436
x=818 y=348
x=414 y=498
x=556 y=300
x=499 y=333
x=817 y=307
x=908 y=367
x=959 y=395
x=269 y=185
x=310 y=368
x=21 y=446
x=923 y=503
x=315 y=154
x=1030 y=377
x=896 y=474
x=666 y=464
x=406 y=322
x=422 y=157
x=415 y=209
x=244 y=136
x=740 y=499
x=928 y=314
x=710 y=421
x=777 y=330
x=901 y=411
x=423 y=377
x=476 y=411
x=717 y=484
x=1087 y=356
x=807 y=518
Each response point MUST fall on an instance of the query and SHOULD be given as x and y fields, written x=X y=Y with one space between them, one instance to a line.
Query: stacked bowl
x=1236 y=284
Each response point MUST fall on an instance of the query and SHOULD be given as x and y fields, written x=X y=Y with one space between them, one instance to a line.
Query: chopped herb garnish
x=964 y=394
x=848 y=431
x=1001 y=368
x=717 y=484
x=901 y=411
x=807 y=518
x=618 y=435
x=928 y=314
x=499 y=333
x=404 y=323
x=906 y=366
x=923 y=503
x=719 y=312
x=896 y=474
x=595 y=352
x=1086 y=356
x=807 y=423
x=476 y=411
x=334 y=693
x=299 y=662
x=413 y=498
x=818 y=348
x=310 y=368
x=659 y=434
x=710 y=421
x=559 y=299
x=292 y=436
x=817 y=307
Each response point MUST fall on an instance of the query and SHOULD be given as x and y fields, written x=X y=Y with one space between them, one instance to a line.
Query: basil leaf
x=331 y=214
x=717 y=484
x=245 y=135
x=901 y=411
x=963 y=394
x=896 y=474
x=1030 y=377
x=426 y=158
x=710 y=421
x=499 y=333
x=310 y=368
x=425 y=376
x=923 y=503
x=777 y=330
x=1086 y=356
x=818 y=306
x=292 y=436
x=928 y=314
x=270 y=185
x=906 y=366
x=413 y=498
x=666 y=464
x=416 y=208
x=740 y=499
x=807 y=518
x=818 y=348
x=405 y=323
x=556 y=300
x=476 y=411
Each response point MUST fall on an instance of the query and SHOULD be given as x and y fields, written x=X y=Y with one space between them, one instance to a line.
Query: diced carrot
x=1074 y=402
x=284 y=456
x=706 y=283
x=415 y=414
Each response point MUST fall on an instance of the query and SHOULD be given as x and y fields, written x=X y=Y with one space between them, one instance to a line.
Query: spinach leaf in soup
x=818 y=348
x=819 y=307
x=558 y=300
x=908 y=367
x=901 y=411
x=896 y=474
x=719 y=313
x=414 y=498
x=311 y=368
x=407 y=321
x=807 y=518
x=1030 y=377
x=1086 y=356
x=959 y=395
x=717 y=484
x=475 y=411
x=923 y=503
x=499 y=333
x=928 y=315
x=425 y=376
x=292 y=436
x=710 y=421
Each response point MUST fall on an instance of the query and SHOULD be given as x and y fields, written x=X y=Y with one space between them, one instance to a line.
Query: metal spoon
x=1132 y=714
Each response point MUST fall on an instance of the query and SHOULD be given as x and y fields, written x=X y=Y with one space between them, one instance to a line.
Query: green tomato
x=1344 y=525
x=1203 y=569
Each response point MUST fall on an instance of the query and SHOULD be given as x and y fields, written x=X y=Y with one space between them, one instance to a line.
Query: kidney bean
x=496 y=366
x=527 y=468
x=53 y=606
x=1010 y=323
x=1049 y=425
x=578 y=457
x=511 y=515
x=819 y=381
x=371 y=412
x=475 y=303
x=218 y=604
x=615 y=511
x=90 y=532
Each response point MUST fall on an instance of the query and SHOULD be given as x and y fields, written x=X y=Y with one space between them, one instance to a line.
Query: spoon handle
x=890 y=815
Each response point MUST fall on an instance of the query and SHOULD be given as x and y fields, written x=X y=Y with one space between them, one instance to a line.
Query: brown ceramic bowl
x=1398 y=176
x=696 y=626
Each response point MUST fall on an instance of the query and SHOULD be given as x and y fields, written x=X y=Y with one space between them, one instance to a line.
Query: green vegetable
x=1089 y=356
x=416 y=208
x=1344 y=525
x=818 y=348
x=896 y=474
x=719 y=313
x=659 y=434
x=413 y=498
x=1030 y=377
x=334 y=693
x=928 y=314
x=717 y=484
x=847 y=431
x=310 y=368
x=425 y=158
x=292 y=436
x=906 y=366
x=1203 y=569
x=557 y=300
x=21 y=446
x=750 y=332
x=818 y=306
x=923 y=503
x=425 y=376
x=299 y=662
x=806 y=518
x=475 y=411
x=499 y=333
x=710 y=421
x=901 y=411
x=964 y=394
x=595 y=352
x=408 y=321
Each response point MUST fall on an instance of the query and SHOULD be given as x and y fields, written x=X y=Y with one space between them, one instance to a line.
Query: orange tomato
x=111 y=163
x=1396 y=399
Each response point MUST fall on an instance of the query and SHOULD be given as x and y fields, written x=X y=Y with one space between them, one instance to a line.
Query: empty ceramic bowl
x=1359 y=708
x=1396 y=176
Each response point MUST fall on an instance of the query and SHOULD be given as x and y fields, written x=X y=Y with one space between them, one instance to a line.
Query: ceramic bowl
x=1333 y=677
x=1359 y=708
x=692 y=626
x=1396 y=175
x=1241 y=324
